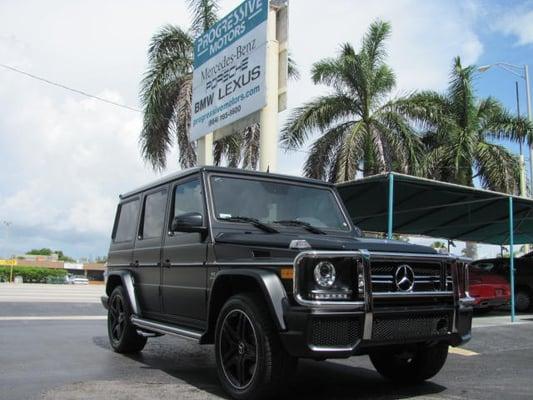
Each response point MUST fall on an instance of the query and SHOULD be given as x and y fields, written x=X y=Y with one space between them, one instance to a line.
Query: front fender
x=126 y=280
x=267 y=282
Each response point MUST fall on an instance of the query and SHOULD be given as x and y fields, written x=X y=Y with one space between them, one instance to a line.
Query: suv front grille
x=334 y=332
x=428 y=276
x=410 y=326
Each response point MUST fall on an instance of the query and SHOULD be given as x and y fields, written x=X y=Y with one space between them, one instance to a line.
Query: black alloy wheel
x=238 y=349
x=251 y=361
x=117 y=318
x=123 y=336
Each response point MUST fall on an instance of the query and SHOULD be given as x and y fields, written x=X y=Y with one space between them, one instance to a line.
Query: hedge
x=32 y=274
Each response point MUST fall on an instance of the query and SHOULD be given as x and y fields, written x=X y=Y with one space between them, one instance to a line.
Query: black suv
x=269 y=268
x=523 y=277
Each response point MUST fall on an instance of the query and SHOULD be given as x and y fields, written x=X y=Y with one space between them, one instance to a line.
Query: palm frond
x=461 y=93
x=350 y=152
x=497 y=168
x=320 y=114
x=165 y=83
x=292 y=66
x=204 y=15
x=323 y=152
x=374 y=42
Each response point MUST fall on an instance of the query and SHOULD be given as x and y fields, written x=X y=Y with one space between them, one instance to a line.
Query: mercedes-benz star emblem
x=404 y=277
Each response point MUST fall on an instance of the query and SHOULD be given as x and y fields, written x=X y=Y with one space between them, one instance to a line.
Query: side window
x=153 y=215
x=188 y=198
x=127 y=221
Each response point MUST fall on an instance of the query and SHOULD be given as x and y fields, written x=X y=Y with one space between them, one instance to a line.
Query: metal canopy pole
x=390 y=208
x=511 y=255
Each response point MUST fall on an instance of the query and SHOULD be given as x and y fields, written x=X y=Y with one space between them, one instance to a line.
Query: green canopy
x=421 y=206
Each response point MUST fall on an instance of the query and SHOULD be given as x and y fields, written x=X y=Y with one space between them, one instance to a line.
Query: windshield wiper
x=305 y=225
x=254 y=221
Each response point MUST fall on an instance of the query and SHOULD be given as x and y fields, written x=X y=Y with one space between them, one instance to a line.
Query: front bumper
x=340 y=334
x=488 y=302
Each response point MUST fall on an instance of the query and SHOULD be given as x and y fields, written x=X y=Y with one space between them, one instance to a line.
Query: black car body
x=212 y=251
x=523 y=276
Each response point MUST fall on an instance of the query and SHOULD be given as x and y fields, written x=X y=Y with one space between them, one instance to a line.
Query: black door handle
x=134 y=264
x=166 y=264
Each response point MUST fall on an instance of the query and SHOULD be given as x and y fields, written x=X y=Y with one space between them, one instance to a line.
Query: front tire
x=410 y=365
x=251 y=363
x=123 y=336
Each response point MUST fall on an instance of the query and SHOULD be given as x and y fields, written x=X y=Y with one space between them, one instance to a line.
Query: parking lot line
x=462 y=352
x=55 y=318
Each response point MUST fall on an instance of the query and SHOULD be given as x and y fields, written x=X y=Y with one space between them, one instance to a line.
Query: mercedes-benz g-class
x=269 y=269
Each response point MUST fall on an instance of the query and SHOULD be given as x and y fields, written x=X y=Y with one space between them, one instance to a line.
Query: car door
x=147 y=252
x=184 y=273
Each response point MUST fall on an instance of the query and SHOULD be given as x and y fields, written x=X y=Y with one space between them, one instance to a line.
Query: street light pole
x=523 y=189
x=528 y=99
x=517 y=71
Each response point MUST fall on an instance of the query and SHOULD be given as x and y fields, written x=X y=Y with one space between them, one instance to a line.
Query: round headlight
x=325 y=274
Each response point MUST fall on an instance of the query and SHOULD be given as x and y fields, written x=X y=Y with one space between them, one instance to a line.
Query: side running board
x=163 y=328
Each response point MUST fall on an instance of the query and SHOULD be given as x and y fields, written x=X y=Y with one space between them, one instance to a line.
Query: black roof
x=235 y=171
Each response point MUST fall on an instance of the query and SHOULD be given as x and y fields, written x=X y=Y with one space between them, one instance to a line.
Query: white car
x=78 y=280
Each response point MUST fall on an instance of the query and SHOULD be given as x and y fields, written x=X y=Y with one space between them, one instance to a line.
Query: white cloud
x=65 y=158
x=517 y=22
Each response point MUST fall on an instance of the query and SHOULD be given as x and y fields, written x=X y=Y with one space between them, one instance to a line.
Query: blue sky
x=65 y=158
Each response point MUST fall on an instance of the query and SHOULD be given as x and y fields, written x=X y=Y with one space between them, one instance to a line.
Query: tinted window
x=154 y=214
x=483 y=266
x=270 y=201
x=188 y=198
x=127 y=221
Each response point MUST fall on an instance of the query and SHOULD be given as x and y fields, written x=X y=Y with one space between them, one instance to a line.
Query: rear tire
x=523 y=301
x=251 y=362
x=410 y=365
x=123 y=336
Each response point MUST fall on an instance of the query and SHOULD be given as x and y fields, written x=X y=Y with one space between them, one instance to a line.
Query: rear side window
x=154 y=214
x=127 y=220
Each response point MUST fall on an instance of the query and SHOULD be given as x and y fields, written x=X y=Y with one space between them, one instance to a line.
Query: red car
x=489 y=289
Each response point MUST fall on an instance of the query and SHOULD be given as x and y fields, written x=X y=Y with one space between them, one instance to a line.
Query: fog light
x=318 y=295
x=325 y=274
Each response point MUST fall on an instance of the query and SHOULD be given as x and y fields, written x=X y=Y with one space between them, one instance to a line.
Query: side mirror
x=189 y=222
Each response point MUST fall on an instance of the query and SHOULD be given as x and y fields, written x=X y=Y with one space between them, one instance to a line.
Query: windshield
x=270 y=201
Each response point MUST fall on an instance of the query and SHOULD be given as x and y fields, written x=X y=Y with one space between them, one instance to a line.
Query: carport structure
x=405 y=204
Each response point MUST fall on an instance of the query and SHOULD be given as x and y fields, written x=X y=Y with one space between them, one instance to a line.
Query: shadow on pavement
x=313 y=380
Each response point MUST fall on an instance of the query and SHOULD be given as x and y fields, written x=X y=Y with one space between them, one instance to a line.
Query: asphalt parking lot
x=58 y=350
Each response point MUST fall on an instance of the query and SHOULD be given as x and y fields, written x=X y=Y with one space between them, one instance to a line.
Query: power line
x=92 y=96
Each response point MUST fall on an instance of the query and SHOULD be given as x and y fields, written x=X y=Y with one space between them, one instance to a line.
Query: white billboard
x=229 y=69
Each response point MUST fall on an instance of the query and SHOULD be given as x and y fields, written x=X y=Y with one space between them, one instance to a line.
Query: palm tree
x=458 y=129
x=166 y=95
x=358 y=125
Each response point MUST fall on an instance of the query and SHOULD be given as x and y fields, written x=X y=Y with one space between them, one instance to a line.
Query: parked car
x=78 y=280
x=523 y=277
x=270 y=268
x=489 y=290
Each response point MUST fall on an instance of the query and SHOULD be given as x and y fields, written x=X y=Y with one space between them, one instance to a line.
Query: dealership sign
x=229 y=69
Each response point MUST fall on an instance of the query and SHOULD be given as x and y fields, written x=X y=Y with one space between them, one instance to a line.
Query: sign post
x=268 y=139
x=11 y=262
x=237 y=80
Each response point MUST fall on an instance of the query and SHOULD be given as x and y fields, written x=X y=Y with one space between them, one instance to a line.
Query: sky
x=65 y=158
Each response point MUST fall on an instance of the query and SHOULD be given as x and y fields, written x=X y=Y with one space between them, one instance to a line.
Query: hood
x=321 y=242
x=478 y=277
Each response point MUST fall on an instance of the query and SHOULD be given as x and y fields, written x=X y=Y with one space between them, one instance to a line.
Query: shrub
x=32 y=274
